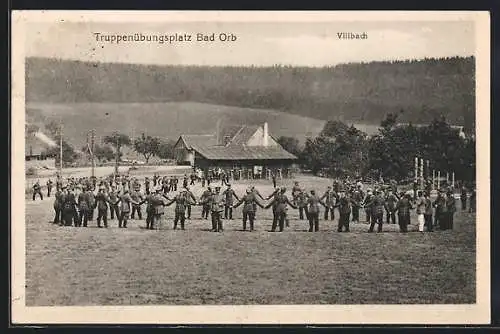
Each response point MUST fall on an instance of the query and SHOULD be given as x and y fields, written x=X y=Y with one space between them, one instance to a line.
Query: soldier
x=250 y=200
x=344 y=206
x=440 y=205
x=92 y=204
x=228 y=200
x=205 y=202
x=147 y=185
x=217 y=202
x=58 y=182
x=330 y=199
x=295 y=191
x=49 y=187
x=193 y=178
x=181 y=201
x=313 y=211
x=113 y=208
x=175 y=183
x=463 y=198
x=274 y=196
x=273 y=177
x=428 y=212
x=185 y=181
x=138 y=198
x=403 y=209
x=83 y=208
x=102 y=207
x=280 y=201
x=368 y=210
x=420 y=211
x=155 y=208
x=377 y=211
x=68 y=207
x=302 y=204
x=472 y=201
x=125 y=202
x=58 y=202
x=450 y=209
x=190 y=198
x=391 y=201
x=356 y=201
x=37 y=189
x=155 y=179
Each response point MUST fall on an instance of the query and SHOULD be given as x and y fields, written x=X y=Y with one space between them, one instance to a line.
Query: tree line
x=341 y=150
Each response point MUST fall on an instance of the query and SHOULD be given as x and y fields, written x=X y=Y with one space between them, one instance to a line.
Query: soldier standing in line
x=155 y=180
x=463 y=198
x=91 y=199
x=58 y=182
x=450 y=209
x=217 y=206
x=329 y=198
x=181 y=201
x=58 y=201
x=368 y=210
x=280 y=201
x=102 y=207
x=113 y=208
x=356 y=200
x=176 y=183
x=147 y=185
x=155 y=208
x=420 y=203
x=250 y=200
x=37 y=190
x=83 y=208
x=185 y=181
x=428 y=212
x=205 y=202
x=302 y=204
x=125 y=201
x=313 y=211
x=344 y=206
x=228 y=200
x=49 y=187
x=391 y=201
x=439 y=204
x=377 y=211
x=138 y=198
x=274 y=196
x=403 y=209
x=190 y=198
x=295 y=191
x=68 y=207
x=273 y=177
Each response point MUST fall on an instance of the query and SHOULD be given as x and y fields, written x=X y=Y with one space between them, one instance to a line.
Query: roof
x=243 y=153
x=243 y=135
x=194 y=140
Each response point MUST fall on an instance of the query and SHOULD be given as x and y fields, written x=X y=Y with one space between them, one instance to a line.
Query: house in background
x=246 y=151
x=36 y=144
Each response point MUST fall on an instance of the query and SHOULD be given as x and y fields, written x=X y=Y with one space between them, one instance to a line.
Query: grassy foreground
x=90 y=266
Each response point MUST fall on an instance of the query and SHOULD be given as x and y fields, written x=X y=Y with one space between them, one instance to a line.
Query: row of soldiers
x=124 y=204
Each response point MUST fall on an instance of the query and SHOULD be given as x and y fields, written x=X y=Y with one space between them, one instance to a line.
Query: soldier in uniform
x=113 y=206
x=190 y=198
x=125 y=202
x=181 y=201
x=274 y=196
x=83 y=208
x=295 y=191
x=205 y=202
x=217 y=206
x=250 y=200
x=280 y=201
x=92 y=204
x=273 y=177
x=463 y=198
x=440 y=205
x=302 y=204
x=344 y=207
x=147 y=183
x=58 y=202
x=420 y=203
x=377 y=211
x=102 y=201
x=330 y=199
x=391 y=201
x=228 y=200
x=49 y=187
x=155 y=208
x=37 y=190
x=356 y=201
x=138 y=198
x=68 y=207
x=450 y=209
x=313 y=211
x=428 y=212
x=472 y=201
x=403 y=209
x=367 y=200
x=175 y=183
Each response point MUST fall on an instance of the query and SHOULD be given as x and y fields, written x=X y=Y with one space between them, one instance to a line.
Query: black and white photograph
x=230 y=167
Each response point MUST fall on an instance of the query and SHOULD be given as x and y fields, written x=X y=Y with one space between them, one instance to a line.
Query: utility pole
x=92 y=141
x=60 y=147
x=117 y=156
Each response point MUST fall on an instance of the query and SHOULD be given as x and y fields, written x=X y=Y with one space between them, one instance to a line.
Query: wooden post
x=439 y=180
x=433 y=179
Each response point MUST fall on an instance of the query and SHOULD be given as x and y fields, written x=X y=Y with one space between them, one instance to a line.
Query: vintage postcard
x=250 y=167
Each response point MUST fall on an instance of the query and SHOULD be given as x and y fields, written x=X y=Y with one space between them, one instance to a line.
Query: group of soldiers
x=77 y=200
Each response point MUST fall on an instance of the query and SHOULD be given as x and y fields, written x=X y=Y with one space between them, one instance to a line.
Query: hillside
x=361 y=93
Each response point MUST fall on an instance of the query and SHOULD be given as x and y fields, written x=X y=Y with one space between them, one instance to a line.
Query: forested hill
x=362 y=93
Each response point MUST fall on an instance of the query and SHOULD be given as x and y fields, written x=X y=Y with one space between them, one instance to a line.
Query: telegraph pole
x=60 y=147
x=117 y=154
x=92 y=141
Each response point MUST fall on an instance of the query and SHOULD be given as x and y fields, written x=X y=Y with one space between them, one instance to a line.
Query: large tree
x=290 y=144
x=117 y=141
x=147 y=146
x=166 y=149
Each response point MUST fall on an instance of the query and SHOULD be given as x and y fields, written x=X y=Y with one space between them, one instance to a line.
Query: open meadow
x=134 y=266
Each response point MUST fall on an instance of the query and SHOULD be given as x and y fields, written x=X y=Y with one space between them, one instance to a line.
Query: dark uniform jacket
x=228 y=196
x=280 y=201
x=250 y=201
x=313 y=204
x=102 y=201
x=329 y=198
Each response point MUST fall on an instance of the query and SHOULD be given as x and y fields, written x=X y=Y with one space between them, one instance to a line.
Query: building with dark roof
x=248 y=151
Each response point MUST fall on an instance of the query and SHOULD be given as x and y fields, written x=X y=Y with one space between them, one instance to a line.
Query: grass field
x=90 y=266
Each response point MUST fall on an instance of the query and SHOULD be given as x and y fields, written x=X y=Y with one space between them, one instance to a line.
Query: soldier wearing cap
x=205 y=202
x=49 y=187
x=147 y=184
x=330 y=199
x=138 y=198
x=217 y=206
x=228 y=200
x=58 y=202
x=366 y=202
x=68 y=207
x=440 y=205
x=125 y=202
x=83 y=208
x=181 y=201
x=450 y=209
x=102 y=201
x=155 y=208
x=274 y=196
x=344 y=207
x=37 y=190
x=280 y=201
x=302 y=204
x=295 y=191
x=113 y=206
x=391 y=201
x=250 y=201
x=313 y=211
x=190 y=198
x=92 y=203
x=403 y=209
x=377 y=211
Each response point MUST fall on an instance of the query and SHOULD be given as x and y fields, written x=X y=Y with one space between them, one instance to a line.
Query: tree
x=147 y=146
x=166 y=149
x=117 y=141
x=104 y=152
x=290 y=144
x=68 y=152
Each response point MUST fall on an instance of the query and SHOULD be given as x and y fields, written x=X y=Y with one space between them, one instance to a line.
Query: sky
x=257 y=43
